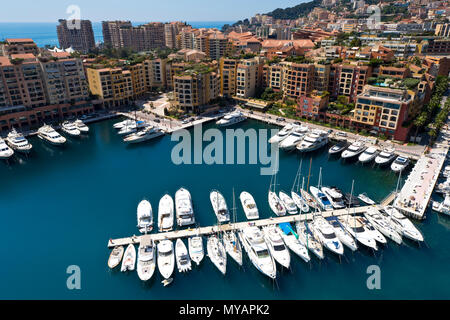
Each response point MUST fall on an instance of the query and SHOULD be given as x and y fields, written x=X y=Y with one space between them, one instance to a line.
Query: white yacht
x=313 y=141
x=115 y=257
x=81 y=126
x=382 y=224
x=355 y=149
x=276 y=205
x=377 y=235
x=182 y=257
x=233 y=246
x=291 y=241
x=294 y=138
x=342 y=234
x=18 y=142
x=358 y=231
x=165 y=214
x=249 y=206
x=309 y=199
x=144 y=135
x=132 y=128
x=196 y=251
x=124 y=123
x=338 y=148
x=365 y=198
x=166 y=258
x=368 y=155
x=146 y=262
x=442 y=207
x=399 y=164
x=47 y=133
x=288 y=203
x=253 y=241
x=219 y=206
x=334 y=197
x=300 y=202
x=282 y=134
x=327 y=236
x=216 y=252
x=385 y=157
x=321 y=199
x=129 y=259
x=231 y=118
x=308 y=237
x=144 y=217
x=183 y=207
x=70 y=128
x=402 y=224
x=276 y=246
x=5 y=151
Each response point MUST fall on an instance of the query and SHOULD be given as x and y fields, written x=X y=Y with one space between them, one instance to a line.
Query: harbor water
x=60 y=206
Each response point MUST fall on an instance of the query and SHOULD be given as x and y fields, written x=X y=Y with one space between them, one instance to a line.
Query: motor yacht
x=231 y=118
x=166 y=258
x=301 y=203
x=18 y=142
x=233 y=246
x=276 y=246
x=382 y=224
x=334 y=197
x=144 y=217
x=321 y=199
x=70 y=128
x=165 y=214
x=132 y=128
x=254 y=244
x=129 y=259
x=276 y=205
x=183 y=208
x=294 y=138
x=338 y=148
x=403 y=225
x=249 y=206
x=342 y=234
x=399 y=164
x=364 y=198
x=368 y=155
x=351 y=201
x=355 y=149
x=47 y=133
x=288 y=203
x=385 y=157
x=182 y=257
x=146 y=262
x=81 y=126
x=115 y=257
x=124 y=123
x=5 y=151
x=290 y=238
x=219 y=206
x=282 y=134
x=309 y=239
x=144 y=135
x=313 y=141
x=442 y=207
x=358 y=231
x=216 y=253
x=327 y=236
x=196 y=251
x=377 y=235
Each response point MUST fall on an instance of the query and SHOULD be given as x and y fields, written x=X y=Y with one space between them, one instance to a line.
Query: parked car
x=184 y=121
x=157 y=120
x=280 y=119
x=341 y=134
x=298 y=123
x=251 y=112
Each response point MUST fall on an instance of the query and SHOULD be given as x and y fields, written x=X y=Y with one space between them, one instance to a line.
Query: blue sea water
x=44 y=33
x=60 y=206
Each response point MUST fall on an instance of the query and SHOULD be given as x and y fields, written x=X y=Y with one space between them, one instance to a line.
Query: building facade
x=76 y=34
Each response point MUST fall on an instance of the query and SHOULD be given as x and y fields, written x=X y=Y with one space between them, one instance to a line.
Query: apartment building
x=247 y=78
x=311 y=105
x=442 y=30
x=275 y=77
x=321 y=77
x=436 y=47
x=393 y=72
x=77 y=34
x=227 y=69
x=112 y=35
x=298 y=79
x=155 y=73
x=138 y=79
x=348 y=80
x=19 y=46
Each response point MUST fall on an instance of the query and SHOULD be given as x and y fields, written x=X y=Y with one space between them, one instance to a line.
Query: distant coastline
x=44 y=33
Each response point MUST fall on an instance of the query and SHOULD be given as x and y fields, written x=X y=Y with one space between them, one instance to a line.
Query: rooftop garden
x=407 y=83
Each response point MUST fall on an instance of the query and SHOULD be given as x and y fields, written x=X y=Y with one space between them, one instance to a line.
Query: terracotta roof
x=296 y=43
x=16 y=40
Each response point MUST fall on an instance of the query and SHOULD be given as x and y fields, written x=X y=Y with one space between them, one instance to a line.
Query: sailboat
x=305 y=195
x=295 y=192
x=231 y=242
x=319 y=196
x=309 y=239
x=274 y=201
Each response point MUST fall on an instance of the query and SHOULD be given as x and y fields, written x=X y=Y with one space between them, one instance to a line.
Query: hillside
x=294 y=12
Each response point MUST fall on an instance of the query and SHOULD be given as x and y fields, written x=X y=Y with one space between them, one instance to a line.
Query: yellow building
x=228 y=77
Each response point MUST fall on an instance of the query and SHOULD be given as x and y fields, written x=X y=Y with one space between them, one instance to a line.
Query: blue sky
x=143 y=10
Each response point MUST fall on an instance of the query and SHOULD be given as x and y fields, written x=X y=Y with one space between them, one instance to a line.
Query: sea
x=61 y=205
x=44 y=33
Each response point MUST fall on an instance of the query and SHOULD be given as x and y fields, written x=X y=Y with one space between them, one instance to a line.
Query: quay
x=230 y=227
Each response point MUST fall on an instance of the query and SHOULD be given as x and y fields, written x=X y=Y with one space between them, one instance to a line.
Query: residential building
x=155 y=73
x=348 y=80
x=19 y=46
x=76 y=34
x=112 y=36
x=442 y=30
x=298 y=79
x=227 y=69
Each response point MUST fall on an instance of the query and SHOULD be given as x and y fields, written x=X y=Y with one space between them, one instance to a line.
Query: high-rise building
x=248 y=77
x=442 y=30
x=77 y=34
x=18 y=46
x=112 y=36
x=155 y=73
x=348 y=80
x=298 y=79
x=228 y=76
x=171 y=32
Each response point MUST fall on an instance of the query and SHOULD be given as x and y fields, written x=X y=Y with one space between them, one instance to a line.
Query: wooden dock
x=229 y=227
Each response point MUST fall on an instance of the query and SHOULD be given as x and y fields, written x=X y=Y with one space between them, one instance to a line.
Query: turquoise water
x=60 y=207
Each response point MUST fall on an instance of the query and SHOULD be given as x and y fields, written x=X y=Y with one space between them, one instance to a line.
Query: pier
x=185 y=233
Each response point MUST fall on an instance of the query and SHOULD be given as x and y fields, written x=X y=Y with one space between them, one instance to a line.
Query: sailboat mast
x=309 y=173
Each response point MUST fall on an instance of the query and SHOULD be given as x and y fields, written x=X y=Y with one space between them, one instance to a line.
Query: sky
x=143 y=10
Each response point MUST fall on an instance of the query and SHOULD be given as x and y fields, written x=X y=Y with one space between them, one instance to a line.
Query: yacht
x=231 y=118
x=132 y=128
x=233 y=246
x=249 y=206
x=385 y=157
x=144 y=135
x=183 y=207
x=321 y=199
x=166 y=258
x=129 y=259
x=309 y=199
x=5 y=151
x=146 y=261
x=282 y=134
x=399 y=164
x=338 y=148
x=342 y=234
x=382 y=224
x=364 y=198
x=368 y=155
x=121 y=124
x=81 y=126
x=144 y=217
x=377 y=235
x=307 y=236
x=219 y=206
x=301 y=203
x=18 y=142
x=402 y=224
x=290 y=238
x=182 y=256
x=70 y=128
x=196 y=251
x=313 y=141
x=276 y=205
x=327 y=236
x=294 y=138
x=355 y=149
x=334 y=197
x=254 y=244
x=358 y=231
x=276 y=246
x=351 y=201
x=115 y=257
x=165 y=213
x=47 y=133
x=442 y=207
x=288 y=203
x=217 y=254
